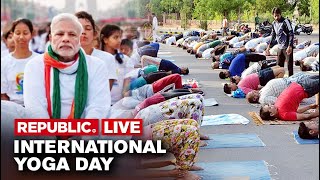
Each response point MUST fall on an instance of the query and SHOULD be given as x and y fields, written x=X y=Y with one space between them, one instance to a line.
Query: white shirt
x=207 y=53
x=309 y=60
x=154 y=23
x=42 y=42
x=98 y=101
x=253 y=43
x=254 y=68
x=170 y=40
x=121 y=71
x=109 y=61
x=3 y=46
x=12 y=77
x=261 y=47
x=5 y=53
x=225 y=23
x=135 y=57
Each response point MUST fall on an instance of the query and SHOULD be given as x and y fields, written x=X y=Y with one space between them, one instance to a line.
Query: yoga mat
x=224 y=119
x=203 y=58
x=162 y=53
x=166 y=56
x=259 y=121
x=210 y=102
x=304 y=141
x=255 y=170
x=256 y=105
x=191 y=82
x=240 y=140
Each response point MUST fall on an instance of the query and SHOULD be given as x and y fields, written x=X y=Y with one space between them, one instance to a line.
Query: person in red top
x=287 y=105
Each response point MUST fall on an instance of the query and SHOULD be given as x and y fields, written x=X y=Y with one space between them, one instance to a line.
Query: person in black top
x=282 y=31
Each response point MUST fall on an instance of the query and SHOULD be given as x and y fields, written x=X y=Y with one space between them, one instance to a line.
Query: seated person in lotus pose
x=254 y=81
x=287 y=104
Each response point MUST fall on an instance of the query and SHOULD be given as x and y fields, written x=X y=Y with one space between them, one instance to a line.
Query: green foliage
x=233 y=9
x=204 y=25
x=315 y=11
x=304 y=6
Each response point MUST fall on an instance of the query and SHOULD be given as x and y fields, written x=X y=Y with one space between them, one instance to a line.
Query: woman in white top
x=110 y=36
x=13 y=65
x=87 y=43
x=8 y=41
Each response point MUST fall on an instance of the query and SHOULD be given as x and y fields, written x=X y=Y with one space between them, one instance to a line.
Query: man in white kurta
x=65 y=42
x=154 y=27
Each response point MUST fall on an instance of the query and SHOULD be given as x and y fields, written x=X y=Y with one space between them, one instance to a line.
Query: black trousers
x=252 y=57
x=282 y=57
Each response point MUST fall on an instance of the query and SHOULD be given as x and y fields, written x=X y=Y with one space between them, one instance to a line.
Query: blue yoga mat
x=233 y=141
x=223 y=119
x=256 y=170
x=304 y=141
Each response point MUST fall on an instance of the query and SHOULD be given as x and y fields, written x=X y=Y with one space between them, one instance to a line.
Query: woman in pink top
x=254 y=81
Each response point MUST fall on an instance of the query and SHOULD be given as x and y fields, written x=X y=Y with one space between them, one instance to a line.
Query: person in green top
x=256 y=21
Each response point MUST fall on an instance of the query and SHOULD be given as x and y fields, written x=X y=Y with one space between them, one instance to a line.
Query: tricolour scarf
x=51 y=60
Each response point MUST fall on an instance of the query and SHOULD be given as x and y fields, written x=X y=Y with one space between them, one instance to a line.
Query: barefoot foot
x=203 y=143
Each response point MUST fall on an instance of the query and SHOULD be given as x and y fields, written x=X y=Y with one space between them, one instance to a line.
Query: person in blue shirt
x=237 y=66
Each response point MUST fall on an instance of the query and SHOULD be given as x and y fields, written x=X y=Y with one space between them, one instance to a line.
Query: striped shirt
x=270 y=92
x=282 y=31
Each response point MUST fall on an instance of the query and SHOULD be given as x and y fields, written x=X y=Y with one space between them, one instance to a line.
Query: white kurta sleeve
x=99 y=98
x=34 y=95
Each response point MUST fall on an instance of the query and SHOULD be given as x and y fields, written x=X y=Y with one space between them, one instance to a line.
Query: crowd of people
x=254 y=64
x=77 y=70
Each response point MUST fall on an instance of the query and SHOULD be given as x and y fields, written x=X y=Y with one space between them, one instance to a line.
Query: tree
x=266 y=6
x=185 y=12
x=156 y=7
x=315 y=11
x=303 y=6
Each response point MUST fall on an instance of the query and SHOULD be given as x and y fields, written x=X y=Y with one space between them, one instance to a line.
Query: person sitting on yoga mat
x=287 y=104
x=270 y=92
x=254 y=81
x=309 y=130
x=164 y=65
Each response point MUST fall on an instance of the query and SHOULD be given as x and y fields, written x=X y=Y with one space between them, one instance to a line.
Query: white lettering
x=79 y=161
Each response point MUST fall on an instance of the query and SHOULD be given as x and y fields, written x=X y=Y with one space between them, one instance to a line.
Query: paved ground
x=286 y=160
